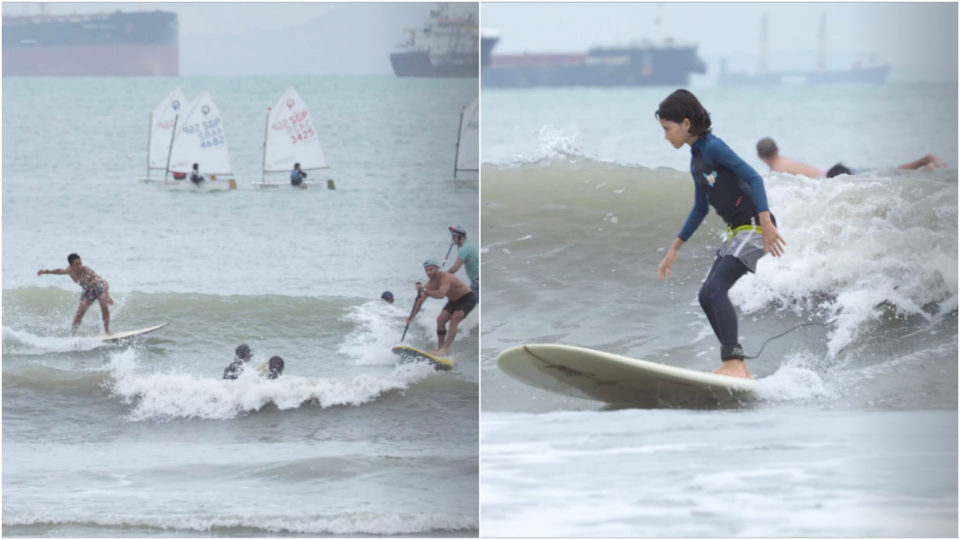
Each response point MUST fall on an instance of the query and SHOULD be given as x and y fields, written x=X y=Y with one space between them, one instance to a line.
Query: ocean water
x=855 y=433
x=146 y=439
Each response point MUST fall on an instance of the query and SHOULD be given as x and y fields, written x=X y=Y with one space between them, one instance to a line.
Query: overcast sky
x=919 y=40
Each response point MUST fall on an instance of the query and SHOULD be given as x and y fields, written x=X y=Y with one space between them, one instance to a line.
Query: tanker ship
x=446 y=46
x=111 y=44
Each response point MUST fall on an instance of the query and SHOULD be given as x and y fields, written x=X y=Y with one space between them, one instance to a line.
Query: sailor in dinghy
x=290 y=139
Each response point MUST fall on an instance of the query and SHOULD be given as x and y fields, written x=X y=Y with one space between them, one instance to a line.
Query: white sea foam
x=858 y=249
x=793 y=381
x=350 y=523
x=179 y=395
x=380 y=326
x=23 y=342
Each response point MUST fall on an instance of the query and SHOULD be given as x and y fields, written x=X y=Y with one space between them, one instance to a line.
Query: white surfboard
x=117 y=336
x=611 y=378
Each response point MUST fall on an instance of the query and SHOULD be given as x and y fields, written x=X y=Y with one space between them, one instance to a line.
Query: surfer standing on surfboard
x=461 y=301
x=95 y=288
x=723 y=180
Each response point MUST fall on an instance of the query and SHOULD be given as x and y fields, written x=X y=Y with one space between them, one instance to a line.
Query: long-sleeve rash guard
x=723 y=180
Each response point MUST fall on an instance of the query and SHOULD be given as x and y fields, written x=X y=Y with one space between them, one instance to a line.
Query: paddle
x=405 y=328
x=449 y=249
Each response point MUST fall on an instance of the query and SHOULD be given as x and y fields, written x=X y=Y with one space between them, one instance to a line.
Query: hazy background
x=276 y=38
x=919 y=40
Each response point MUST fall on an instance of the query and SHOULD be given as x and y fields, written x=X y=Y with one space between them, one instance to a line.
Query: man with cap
x=468 y=255
x=242 y=355
x=461 y=301
x=387 y=297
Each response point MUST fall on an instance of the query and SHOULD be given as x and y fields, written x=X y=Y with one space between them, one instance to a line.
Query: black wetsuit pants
x=715 y=301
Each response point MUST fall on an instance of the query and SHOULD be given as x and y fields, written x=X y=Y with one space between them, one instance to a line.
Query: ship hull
x=113 y=44
x=418 y=64
x=92 y=61
x=871 y=75
x=599 y=67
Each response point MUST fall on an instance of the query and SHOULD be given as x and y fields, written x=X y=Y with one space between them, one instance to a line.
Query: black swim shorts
x=465 y=303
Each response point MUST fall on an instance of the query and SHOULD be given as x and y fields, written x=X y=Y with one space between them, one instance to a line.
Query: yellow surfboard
x=410 y=354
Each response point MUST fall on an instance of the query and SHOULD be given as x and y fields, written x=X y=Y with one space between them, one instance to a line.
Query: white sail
x=291 y=137
x=161 y=127
x=468 y=143
x=201 y=139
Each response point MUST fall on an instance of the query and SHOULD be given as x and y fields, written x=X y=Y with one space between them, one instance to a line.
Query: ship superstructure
x=448 y=45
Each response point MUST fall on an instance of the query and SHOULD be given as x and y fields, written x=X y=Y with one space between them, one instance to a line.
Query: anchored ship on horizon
x=634 y=65
x=107 y=44
x=448 y=45
x=858 y=73
x=641 y=63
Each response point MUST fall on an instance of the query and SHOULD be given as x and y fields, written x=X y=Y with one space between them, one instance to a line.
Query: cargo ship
x=109 y=44
x=446 y=46
x=635 y=65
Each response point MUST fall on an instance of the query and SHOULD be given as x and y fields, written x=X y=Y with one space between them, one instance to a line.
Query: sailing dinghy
x=466 y=164
x=162 y=120
x=199 y=138
x=289 y=138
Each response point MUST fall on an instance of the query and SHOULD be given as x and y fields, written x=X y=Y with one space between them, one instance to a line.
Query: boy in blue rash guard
x=722 y=180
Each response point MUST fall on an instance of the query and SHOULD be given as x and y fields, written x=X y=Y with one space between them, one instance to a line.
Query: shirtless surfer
x=95 y=288
x=769 y=153
x=461 y=301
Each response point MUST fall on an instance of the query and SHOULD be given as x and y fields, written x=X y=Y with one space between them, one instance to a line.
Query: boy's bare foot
x=442 y=353
x=734 y=368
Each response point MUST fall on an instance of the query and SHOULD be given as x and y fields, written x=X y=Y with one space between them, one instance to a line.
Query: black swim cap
x=244 y=352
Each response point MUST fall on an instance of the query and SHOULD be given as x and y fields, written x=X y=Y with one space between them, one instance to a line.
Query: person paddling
x=461 y=301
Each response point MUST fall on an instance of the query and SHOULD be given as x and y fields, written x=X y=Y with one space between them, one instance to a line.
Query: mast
x=266 y=127
x=762 y=63
x=822 y=43
x=173 y=135
x=456 y=155
x=149 y=136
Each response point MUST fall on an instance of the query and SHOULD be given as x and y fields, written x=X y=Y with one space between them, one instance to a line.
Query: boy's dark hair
x=683 y=104
x=72 y=257
x=766 y=148
x=837 y=170
x=276 y=367
x=243 y=352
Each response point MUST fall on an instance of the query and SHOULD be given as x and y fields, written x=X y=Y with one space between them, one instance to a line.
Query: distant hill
x=350 y=39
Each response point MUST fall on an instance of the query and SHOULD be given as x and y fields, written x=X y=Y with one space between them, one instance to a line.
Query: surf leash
x=794 y=327
x=407 y=327
x=449 y=249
